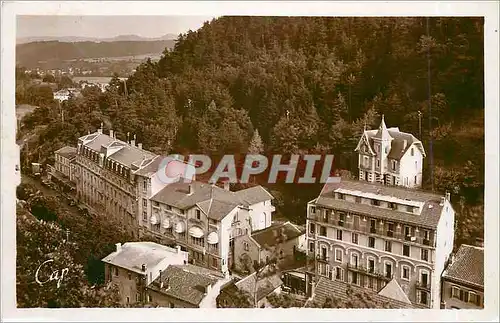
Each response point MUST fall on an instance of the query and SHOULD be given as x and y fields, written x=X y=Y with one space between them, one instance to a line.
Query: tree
x=256 y=146
x=47 y=274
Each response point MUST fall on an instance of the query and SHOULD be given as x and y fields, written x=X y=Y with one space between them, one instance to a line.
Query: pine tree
x=256 y=145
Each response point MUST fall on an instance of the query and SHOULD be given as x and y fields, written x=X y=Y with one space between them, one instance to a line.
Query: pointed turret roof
x=382 y=132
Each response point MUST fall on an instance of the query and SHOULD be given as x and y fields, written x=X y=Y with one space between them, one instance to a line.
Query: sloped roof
x=185 y=282
x=67 y=152
x=265 y=285
x=398 y=146
x=428 y=217
x=216 y=202
x=132 y=255
x=267 y=236
x=254 y=195
x=467 y=266
x=338 y=289
x=394 y=291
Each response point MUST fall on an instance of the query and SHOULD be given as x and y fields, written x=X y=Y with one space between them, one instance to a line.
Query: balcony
x=322 y=258
x=424 y=286
x=341 y=223
x=390 y=234
x=373 y=230
x=426 y=242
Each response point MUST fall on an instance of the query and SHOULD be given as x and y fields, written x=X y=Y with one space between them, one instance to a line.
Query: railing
x=424 y=286
x=373 y=230
x=370 y=272
x=322 y=258
x=426 y=242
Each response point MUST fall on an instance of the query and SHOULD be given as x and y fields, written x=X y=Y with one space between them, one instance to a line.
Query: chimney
x=405 y=143
x=191 y=189
x=118 y=246
x=132 y=142
x=226 y=185
x=448 y=196
x=111 y=133
x=208 y=288
x=178 y=249
x=139 y=145
x=144 y=267
x=442 y=201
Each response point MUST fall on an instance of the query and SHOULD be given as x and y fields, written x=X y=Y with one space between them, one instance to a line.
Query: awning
x=213 y=238
x=196 y=232
x=166 y=223
x=153 y=220
x=179 y=227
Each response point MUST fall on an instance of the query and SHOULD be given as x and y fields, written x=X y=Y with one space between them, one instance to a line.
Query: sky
x=106 y=26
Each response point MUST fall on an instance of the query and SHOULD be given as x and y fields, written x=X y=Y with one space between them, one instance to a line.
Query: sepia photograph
x=307 y=162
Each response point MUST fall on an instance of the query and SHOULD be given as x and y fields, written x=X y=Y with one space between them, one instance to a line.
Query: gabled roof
x=216 y=202
x=265 y=285
x=185 y=282
x=338 y=289
x=254 y=195
x=394 y=291
x=400 y=141
x=467 y=266
x=268 y=236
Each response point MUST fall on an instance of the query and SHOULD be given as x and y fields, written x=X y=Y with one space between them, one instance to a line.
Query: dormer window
x=340 y=196
x=376 y=202
x=409 y=208
x=313 y=210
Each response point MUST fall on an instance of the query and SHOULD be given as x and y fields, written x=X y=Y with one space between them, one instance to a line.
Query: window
x=325 y=215
x=341 y=219
x=376 y=202
x=373 y=224
x=406 y=273
x=371 y=242
x=340 y=196
x=322 y=231
x=388 y=246
x=198 y=214
x=172 y=305
x=145 y=186
x=312 y=228
x=378 y=163
x=145 y=215
x=424 y=255
x=311 y=246
x=354 y=260
x=455 y=292
x=424 y=299
x=406 y=250
x=214 y=262
x=371 y=265
x=393 y=164
x=358 y=199
x=390 y=229
x=116 y=271
x=388 y=270
x=472 y=297
x=245 y=246
x=354 y=238
x=338 y=255
x=313 y=209
x=128 y=299
x=424 y=278
x=407 y=232
x=137 y=297
x=323 y=253
x=412 y=152
x=338 y=273
x=415 y=180
x=198 y=241
x=339 y=234
x=354 y=278
x=365 y=161
x=129 y=276
x=144 y=202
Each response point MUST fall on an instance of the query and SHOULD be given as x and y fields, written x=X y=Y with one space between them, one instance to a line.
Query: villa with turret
x=389 y=156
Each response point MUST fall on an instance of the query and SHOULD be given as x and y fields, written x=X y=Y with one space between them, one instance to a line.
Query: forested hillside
x=30 y=54
x=307 y=85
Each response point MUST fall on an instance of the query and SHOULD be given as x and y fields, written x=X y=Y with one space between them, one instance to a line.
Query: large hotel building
x=120 y=180
x=376 y=230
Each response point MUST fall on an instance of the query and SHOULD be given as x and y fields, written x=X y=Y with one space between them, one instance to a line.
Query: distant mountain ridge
x=30 y=54
x=76 y=39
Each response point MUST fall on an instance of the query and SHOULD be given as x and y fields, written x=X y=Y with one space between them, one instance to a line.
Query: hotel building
x=370 y=234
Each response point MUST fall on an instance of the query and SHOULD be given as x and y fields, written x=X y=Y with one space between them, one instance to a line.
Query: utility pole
x=430 y=108
x=419 y=125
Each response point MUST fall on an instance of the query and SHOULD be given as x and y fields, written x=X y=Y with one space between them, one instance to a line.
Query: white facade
x=389 y=156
